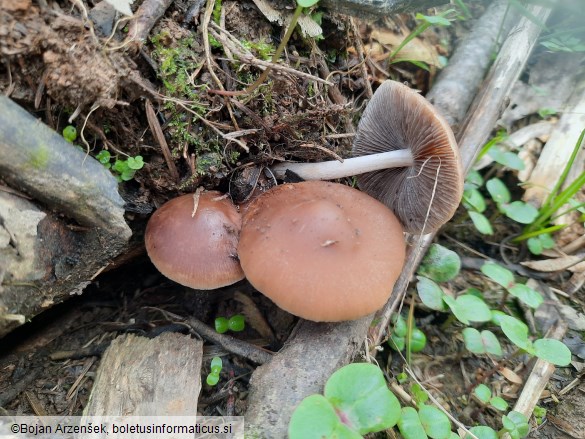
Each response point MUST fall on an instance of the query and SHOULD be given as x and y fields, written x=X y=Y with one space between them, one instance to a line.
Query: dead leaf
x=253 y=316
x=513 y=377
x=308 y=26
x=122 y=6
x=557 y=264
x=415 y=50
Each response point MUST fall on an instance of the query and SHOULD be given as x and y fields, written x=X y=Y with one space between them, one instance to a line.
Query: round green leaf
x=435 y=422
x=474 y=308
x=473 y=179
x=534 y=245
x=530 y=297
x=497 y=316
x=517 y=332
x=506 y=158
x=473 y=199
x=491 y=343
x=459 y=313
x=498 y=274
x=397 y=343
x=430 y=294
x=221 y=325
x=212 y=379
x=359 y=392
x=482 y=432
x=307 y=3
x=472 y=340
x=135 y=162
x=418 y=340
x=481 y=223
x=553 y=351
x=216 y=365
x=498 y=190
x=70 y=133
x=546 y=240
x=521 y=212
x=236 y=323
x=498 y=403
x=400 y=328
x=315 y=418
x=410 y=426
x=440 y=264
x=483 y=393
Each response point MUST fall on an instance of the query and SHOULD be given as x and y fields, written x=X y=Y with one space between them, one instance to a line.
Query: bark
x=379 y=8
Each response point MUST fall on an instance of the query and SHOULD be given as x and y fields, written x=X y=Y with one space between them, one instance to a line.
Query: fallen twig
x=160 y=138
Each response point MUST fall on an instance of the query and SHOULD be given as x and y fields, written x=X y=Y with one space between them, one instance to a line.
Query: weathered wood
x=37 y=160
x=148 y=377
x=311 y=359
x=379 y=8
x=43 y=260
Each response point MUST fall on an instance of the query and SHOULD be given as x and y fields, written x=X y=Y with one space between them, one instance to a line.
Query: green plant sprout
x=235 y=323
x=442 y=19
x=397 y=340
x=216 y=366
x=70 y=133
x=484 y=395
x=356 y=401
x=124 y=170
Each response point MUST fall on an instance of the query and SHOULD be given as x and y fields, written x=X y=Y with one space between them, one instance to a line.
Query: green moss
x=261 y=49
x=40 y=158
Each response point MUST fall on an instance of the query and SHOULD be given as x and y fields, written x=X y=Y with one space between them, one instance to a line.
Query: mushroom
x=407 y=157
x=322 y=251
x=193 y=240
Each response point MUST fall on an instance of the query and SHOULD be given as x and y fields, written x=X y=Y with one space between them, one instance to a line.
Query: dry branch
x=316 y=349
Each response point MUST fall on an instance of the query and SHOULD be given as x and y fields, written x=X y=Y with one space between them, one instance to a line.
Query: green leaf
x=534 y=245
x=103 y=157
x=474 y=179
x=307 y=3
x=481 y=342
x=237 y=323
x=418 y=340
x=498 y=190
x=435 y=422
x=397 y=343
x=359 y=392
x=410 y=426
x=517 y=332
x=430 y=294
x=452 y=304
x=527 y=295
x=121 y=166
x=221 y=325
x=497 y=317
x=499 y=403
x=506 y=158
x=473 y=199
x=483 y=393
x=212 y=379
x=546 y=240
x=553 y=351
x=520 y=212
x=440 y=264
x=70 y=133
x=482 y=432
x=516 y=424
x=135 y=162
x=216 y=365
x=498 y=274
x=315 y=418
x=545 y=112
x=481 y=223
x=419 y=395
x=127 y=175
x=400 y=328
x=474 y=308
x=436 y=20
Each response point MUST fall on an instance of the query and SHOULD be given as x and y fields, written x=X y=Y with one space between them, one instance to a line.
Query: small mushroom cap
x=322 y=251
x=197 y=251
x=399 y=118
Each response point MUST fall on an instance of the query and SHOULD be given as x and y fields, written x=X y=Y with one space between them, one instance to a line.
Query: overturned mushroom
x=192 y=240
x=408 y=159
x=322 y=251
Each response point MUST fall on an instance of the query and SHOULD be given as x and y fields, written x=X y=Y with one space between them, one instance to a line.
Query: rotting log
x=310 y=359
x=139 y=376
x=45 y=258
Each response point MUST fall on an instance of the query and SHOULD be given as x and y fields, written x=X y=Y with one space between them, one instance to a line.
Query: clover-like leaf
x=473 y=199
x=484 y=342
x=483 y=393
x=435 y=423
x=474 y=308
x=315 y=417
x=409 y=424
x=481 y=223
x=360 y=395
x=530 y=297
x=430 y=294
x=517 y=332
x=553 y=351
x=498 y=191
x=521 y=212
x=499 y=403
x=482 y=432
x=498 y=274
x=440 y=264
x=307 y=3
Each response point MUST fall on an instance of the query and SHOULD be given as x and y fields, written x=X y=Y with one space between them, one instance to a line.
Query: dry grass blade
x=160 y=137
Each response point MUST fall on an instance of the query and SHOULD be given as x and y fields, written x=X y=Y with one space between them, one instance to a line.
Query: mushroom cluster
x=323 y=251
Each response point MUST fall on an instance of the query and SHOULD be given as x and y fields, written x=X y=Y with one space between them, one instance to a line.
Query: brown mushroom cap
x=196 y=251
x=399 y=118
x=322 y=251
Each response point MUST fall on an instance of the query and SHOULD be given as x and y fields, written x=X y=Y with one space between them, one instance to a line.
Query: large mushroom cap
x=399 y=118
x=322 y=251
x=198 y=251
